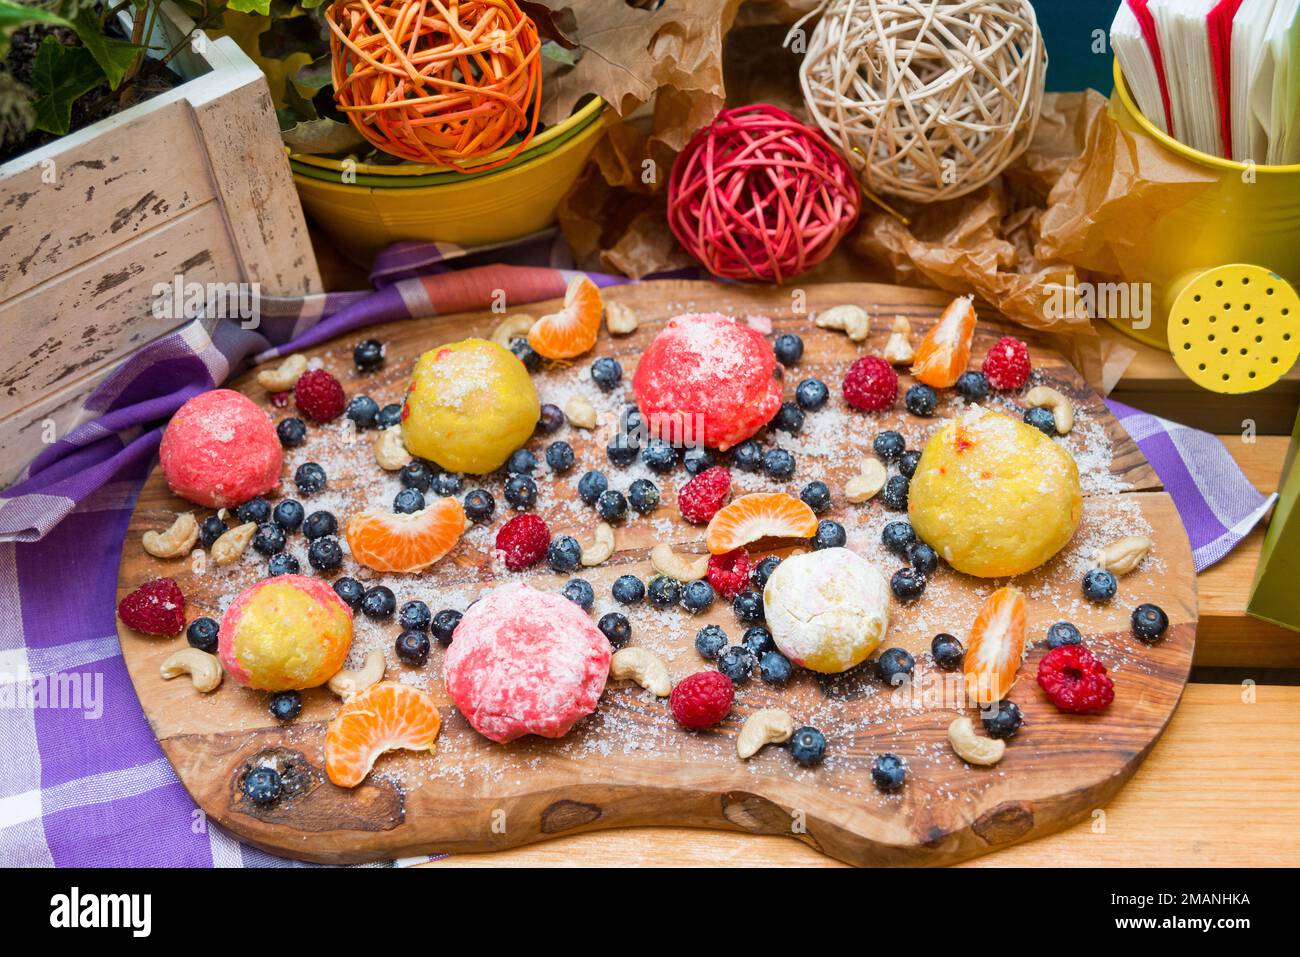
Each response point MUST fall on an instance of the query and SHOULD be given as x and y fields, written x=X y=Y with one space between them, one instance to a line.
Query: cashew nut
x=620 y=320
x=972 y=748
x=176 y=541
x=1040 y=396
x=204 y=669
x=852 y=319
x=667 y=562
x=644 y=667
x=765 y=726
x=580 y=413
x=232 y=543
x=347 y=683
x=390 y=450
x=865 y=485
x=512 y=327
x=599 y=550
x=284 y=376
x=898 y=350
x=1123 y=555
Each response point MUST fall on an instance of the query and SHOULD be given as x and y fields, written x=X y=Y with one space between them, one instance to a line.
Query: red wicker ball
x=758 y=195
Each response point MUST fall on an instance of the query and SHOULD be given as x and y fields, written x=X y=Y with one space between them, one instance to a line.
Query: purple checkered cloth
x=82 y=779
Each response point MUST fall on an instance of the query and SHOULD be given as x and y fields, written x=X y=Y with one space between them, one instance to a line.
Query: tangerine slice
x=397 y=542
x=759 y=515
x=943 y=354
x=996 y=647
x=571 y=331
x=384 y=717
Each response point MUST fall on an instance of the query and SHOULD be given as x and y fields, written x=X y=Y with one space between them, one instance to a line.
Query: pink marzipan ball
x=220 y=450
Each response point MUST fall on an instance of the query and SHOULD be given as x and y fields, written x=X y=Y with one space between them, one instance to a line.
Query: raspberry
x=156 y=608
x=319 y=395
x=871 y=384
x=1007 y=364
x=701 y=497
x=702 y=700
x=1075 y=680
x=729 y=573
x=523 y=541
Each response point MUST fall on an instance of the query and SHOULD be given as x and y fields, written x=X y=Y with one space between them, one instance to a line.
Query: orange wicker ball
x=437 y=81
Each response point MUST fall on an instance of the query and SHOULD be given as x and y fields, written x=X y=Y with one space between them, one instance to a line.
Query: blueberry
x=907 y=584
x=748 y=606
x=368 y=355
x=898 y=537
x=643 y=495
x=408 y=501
x=282 y=563
x=564 y=553
x=616 y=628
x=921 y=400
x=559 y=457
x=664 y=592
x=758 y=640
x=659 y=456
x=889 y=445
x=817 y=496
x=1149 y=622
x=254 y=510
x=480 y=505
x=611 y=506
x=389 y=416
x=444 y=625
x=895 y=666
x=774 y=668
x=1063 y=633
x=621 y=451
x=288 y=514
x=526 y=354
x=628 y=589
x=907 y=462
x=591 y=485
x=631 y=423
x=211 y=529
x=319 y=524
x=778 y=464
x=947 y=651
x=894 y=494
x=830 y=534
x=788 y=418
x=413 y=647
x=737 y=663
x=923 y=558
x=697 y=459
x=309 y=478
x=521 y=462
x=788 y=348
x=417 y=475
x=362 y=411
x=763 y=571
x=551 y=418
x=709 y=641
x=262 y=785
x=1004 y=722
x=1099 y=585
x=292 y=433
x=203 y=633
x=697 y=595
x=747 y=456
x=521 y=492
x=1041 y=419
x=808 y=746
x=285 y=705
x=414 y=615
x=606 y=373
x=579 y=591
x=972 y=386
x=269 y=539
x=351 y=591
x=378 y=602
x=811 y=394
x=888 y=772
x=449 y=483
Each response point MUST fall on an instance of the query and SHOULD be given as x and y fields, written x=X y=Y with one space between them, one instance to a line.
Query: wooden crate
x=193 y=182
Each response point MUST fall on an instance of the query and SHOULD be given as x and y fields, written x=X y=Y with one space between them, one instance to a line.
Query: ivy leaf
x=16 y=113
x=260 y=7
x=60 y=75
x=322 y=136
x=283 y=38
x=315 y=75
x=15 y=16
x=113 y=56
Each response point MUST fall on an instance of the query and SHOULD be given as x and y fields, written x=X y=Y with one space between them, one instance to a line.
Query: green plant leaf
x=114 y=56
x=322 y=136
x=315 y=75
x=15 y=16
x=260 y=7
x=60 y=75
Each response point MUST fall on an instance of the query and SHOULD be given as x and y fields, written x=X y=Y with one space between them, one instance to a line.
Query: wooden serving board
x=629 y=763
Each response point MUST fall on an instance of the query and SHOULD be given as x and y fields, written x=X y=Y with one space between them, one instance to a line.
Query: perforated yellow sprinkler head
x=1235 y=329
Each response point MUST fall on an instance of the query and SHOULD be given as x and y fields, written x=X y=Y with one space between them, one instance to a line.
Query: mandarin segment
x=385 y=717
x=996 y=647
x=571 y=331
x=944 y=353
x=395 y=542
x=756 y=516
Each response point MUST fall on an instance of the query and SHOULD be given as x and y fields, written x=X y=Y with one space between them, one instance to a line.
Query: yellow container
x=1250 y=215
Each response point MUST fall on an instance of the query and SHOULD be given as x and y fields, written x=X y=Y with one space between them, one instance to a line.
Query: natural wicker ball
x=758 y=195
x=437 y=81
x=928 y=99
